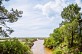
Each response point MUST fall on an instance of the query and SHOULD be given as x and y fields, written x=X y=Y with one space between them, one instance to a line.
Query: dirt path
x=38 y=48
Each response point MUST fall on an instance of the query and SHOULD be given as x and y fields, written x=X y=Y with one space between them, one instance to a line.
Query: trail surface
x=38 y=48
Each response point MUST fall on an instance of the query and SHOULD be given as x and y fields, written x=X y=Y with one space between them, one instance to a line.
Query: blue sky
x=39 y=17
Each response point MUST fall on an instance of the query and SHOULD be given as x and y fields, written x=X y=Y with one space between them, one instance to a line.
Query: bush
x=29 y=41
x=13 y=47
x=57 y=52
x=49 y=43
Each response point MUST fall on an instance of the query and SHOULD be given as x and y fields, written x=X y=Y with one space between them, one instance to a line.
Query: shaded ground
x=38 y=48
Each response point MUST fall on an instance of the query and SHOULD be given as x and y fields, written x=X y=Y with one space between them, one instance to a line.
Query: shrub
x=13 y=47
x=57 y=52
x=29 y=41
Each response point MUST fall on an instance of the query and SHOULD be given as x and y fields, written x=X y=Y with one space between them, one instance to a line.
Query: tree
x=7 y=16
x=54 y=40
x=71 y=15
x=66 y=37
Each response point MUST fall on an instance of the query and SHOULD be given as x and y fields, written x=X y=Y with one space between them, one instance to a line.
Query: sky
x=39 y=18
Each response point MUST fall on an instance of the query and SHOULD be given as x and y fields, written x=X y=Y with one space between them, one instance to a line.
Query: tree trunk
x=72 y=38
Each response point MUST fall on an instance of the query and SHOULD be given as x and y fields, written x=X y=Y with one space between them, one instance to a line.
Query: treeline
x=29 y=41
x=67 y=39
x=14 y=46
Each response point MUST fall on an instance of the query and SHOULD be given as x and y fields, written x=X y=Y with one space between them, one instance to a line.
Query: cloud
x=39 y=18
x=52 y=8
x=32 y=22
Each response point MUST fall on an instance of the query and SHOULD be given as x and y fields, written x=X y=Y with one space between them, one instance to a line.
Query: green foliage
x=7 y=16
x=29 y=41
x=71 y=16
x=66 y=37
x=49 y=43
x=58 y=52
x=71 y=12
x=54 y=40
x=13 y=47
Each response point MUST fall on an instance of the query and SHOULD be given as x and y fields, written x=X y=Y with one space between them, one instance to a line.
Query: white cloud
x=34 y=22
x=55 y=6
